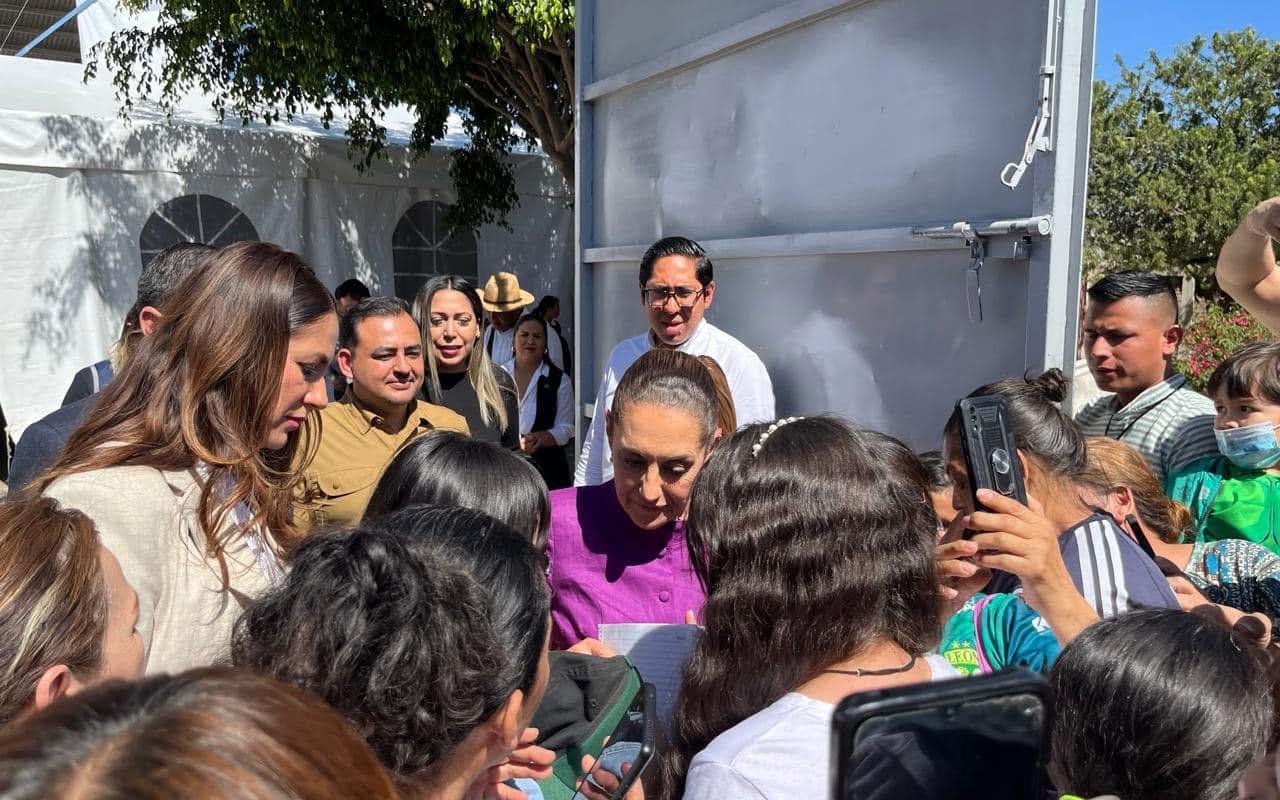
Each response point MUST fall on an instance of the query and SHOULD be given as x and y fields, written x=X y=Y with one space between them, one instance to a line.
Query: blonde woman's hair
x=53 y=603
x=480 y=369
x=1112 y=464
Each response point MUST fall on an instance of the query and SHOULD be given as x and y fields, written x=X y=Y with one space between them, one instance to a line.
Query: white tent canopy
x=78 y=185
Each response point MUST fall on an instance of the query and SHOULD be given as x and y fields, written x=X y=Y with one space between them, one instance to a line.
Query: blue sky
x=1133 y=27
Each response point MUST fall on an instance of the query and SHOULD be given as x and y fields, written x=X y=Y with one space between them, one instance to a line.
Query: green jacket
x=1250 y=505
x=1196 y=486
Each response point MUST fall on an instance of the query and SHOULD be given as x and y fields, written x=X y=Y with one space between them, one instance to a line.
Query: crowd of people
x=291 y=543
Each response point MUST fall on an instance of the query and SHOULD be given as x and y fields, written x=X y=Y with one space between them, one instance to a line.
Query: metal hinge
x=1040 y=136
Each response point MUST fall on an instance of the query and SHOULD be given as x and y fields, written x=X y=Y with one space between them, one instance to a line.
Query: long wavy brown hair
x=203 y=387
x=814 y=541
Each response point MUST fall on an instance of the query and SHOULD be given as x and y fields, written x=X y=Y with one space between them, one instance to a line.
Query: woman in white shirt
x=815 y=542
x=546 y=402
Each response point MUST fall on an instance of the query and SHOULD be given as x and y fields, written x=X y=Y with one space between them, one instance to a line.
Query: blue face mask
x=1250 y=447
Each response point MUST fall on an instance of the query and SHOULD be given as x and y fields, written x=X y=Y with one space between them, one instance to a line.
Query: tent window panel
x=422 y=246
x=199 y=218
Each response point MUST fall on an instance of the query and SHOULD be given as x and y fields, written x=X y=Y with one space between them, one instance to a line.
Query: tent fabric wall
x=77 y=185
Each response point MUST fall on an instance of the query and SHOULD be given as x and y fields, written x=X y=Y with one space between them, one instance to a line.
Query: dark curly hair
x=417 y=625
x=812 y=547
x=1157 y=703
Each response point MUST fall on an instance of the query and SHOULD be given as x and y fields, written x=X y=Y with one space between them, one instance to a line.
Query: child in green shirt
x=1236 y=495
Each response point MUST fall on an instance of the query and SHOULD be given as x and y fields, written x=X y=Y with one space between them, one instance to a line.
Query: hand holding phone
x=627 y=752
x=990 y=448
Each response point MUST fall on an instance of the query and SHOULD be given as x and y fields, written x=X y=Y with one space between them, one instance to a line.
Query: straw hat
x=502 y=292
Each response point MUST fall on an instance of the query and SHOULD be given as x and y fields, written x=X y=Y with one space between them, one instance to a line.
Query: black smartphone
x=990 y=449
x=628 y=750
x=978 y=738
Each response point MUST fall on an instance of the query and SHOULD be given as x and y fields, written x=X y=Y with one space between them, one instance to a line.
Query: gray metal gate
x=845 y=164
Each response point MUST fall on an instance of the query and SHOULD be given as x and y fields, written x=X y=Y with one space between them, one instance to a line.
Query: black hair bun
x=1052 y=384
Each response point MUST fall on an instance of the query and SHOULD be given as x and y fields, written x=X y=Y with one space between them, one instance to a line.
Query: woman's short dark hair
x=417 y=625
x=669 y=379
x=446 y=468
x=813 y=541
x=213 y=733
x=1157 y=704
x=1251 y=371
x=1042 y=428
x=535 y=317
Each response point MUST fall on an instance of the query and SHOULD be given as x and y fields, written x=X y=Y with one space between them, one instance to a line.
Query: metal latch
x=973 y=275
x=975 y=235
x=1040 y=136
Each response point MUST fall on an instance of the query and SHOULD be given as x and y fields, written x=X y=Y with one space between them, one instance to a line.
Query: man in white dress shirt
x=676 y=287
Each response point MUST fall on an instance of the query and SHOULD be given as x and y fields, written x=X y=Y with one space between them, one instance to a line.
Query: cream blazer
x=149 y=519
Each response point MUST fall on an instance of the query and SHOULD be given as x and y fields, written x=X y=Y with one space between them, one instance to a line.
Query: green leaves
x=1181 y=147
x=506 y=67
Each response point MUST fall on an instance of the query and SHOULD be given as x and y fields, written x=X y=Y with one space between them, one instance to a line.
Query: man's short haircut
x=1135 y=283
x=1251 y=371
x=162 y=273
x=676 y=246
x=352 y=288
x=365 y=309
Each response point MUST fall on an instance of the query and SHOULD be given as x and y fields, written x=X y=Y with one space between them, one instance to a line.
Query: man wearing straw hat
x=505 y=301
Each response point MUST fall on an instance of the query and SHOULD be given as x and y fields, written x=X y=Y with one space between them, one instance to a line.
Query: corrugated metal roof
x=23 y=20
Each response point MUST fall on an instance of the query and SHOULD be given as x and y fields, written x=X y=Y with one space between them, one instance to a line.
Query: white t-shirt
x=780 y=753
x=500 y=345
x=743 y=370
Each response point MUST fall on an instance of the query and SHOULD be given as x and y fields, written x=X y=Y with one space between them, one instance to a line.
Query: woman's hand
x=1019 y=539
x=601 y=783
x=593 y=647
x=1264 y=219
x=958 y=577
x=527 y=760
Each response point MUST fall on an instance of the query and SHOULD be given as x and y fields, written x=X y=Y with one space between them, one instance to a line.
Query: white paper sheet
x=659 y=652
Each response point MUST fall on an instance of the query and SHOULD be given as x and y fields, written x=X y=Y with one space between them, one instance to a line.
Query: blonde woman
x=461 y=376
x=67 y=614
x=183 y=462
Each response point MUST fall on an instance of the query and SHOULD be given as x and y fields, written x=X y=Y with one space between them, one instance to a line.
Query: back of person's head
x=480 y=368
x=1251 y=371
x=53 y=598
x=1043 y=430
x=204 y=386
x=547 y=303
x=676 y=246
x=726 y=415
x=1157 y=705
x=419 y=625
x=446 y=468
x=1114 y=465
x=209 y=734
x=368 y=308
x=669 y=379
x=1137 y=283
x=161 y=276
x=814 y=539
x=352 y=288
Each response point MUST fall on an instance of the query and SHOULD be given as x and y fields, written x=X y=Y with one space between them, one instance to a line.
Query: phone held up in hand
x=990 y=449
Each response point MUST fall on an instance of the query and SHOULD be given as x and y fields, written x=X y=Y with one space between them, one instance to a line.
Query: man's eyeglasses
x=684 y=296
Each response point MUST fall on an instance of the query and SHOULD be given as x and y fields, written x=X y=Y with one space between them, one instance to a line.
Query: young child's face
x=1239 y=412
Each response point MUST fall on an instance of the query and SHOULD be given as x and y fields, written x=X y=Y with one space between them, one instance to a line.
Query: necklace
x=857 y=673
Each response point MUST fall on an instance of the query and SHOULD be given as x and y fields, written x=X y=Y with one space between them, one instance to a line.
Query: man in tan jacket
x=380 y=354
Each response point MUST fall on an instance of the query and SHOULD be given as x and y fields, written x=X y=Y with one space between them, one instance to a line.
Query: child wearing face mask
x=1236 y=495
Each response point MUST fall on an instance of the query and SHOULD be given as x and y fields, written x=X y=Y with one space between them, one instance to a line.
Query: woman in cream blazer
x=183 y=462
